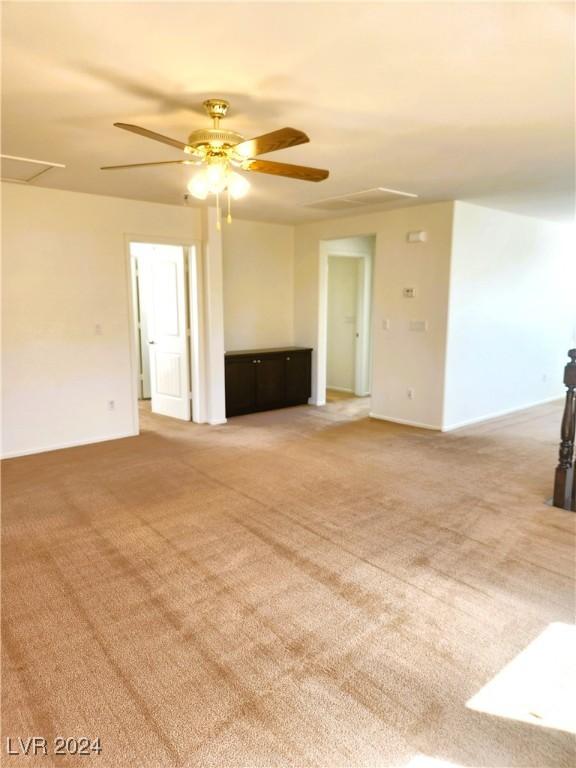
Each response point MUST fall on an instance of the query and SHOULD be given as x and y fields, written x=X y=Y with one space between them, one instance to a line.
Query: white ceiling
x=448 y=100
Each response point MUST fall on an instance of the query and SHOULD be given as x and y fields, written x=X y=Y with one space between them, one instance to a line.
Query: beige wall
x=512 y=312
x=258 y=285
x=65 y=335
x=402 y=359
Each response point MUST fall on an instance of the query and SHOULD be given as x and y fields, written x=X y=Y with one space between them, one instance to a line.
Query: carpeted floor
x=305 y=587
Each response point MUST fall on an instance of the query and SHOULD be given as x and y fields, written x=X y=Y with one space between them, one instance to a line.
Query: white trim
x=339 y=389
x=216 y=422
x=130 y=266
x=327 y=249
x=193 y=268
x=499 y=414
x=72 y=444
x=194 y=272
x=321 y=351
x=405 y=422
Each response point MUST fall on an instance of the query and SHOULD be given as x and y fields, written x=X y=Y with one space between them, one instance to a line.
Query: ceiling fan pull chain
x=229 y=217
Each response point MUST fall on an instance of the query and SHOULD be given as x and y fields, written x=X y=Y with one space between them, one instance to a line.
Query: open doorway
x=347 y=287
x=164 y=319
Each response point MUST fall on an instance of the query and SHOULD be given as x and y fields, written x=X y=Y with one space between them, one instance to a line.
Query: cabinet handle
x=287 y=358
x=254 y=361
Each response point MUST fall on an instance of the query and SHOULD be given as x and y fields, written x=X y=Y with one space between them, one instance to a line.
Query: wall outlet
x=111 y=405
x=420 y=326
x=410 y=393
x=98 y=329
x=385 y=324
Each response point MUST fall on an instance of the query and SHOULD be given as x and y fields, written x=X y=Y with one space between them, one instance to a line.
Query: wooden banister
x=564 y=480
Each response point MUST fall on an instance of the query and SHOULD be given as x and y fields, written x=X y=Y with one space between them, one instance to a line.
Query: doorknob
x=151 y=342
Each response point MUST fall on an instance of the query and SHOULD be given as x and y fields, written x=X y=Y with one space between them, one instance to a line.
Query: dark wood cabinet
x=263 y=379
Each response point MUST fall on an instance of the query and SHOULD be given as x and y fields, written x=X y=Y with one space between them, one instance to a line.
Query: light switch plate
x=409 y=293
x=417 y=237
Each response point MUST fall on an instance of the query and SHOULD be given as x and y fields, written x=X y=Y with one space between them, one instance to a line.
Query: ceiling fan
x=219 y=151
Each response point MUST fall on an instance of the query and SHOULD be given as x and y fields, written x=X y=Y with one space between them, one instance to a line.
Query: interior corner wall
x=403 y=359
x=512 y=313
x=258 y=285
x=65 y=306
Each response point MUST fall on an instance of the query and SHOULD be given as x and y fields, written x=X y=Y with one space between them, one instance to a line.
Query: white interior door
x=163 y=278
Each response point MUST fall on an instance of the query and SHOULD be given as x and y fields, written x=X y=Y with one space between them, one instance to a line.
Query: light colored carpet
x=305 y=587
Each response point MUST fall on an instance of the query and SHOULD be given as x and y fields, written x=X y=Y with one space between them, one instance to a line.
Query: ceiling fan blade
x=270 y=142
x=142 y=165
x=156 y=137
x=301 y=172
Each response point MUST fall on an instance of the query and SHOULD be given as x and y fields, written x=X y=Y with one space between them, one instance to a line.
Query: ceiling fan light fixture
x=215 y=179
x=216 y=175
x=198 y=186
x=238 y=185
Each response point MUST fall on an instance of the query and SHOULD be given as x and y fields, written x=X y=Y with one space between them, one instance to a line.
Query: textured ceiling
x=447 y=100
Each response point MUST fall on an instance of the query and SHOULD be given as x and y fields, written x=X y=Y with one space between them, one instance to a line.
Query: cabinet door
x=240 y=386
x=298 y=387
x=270 y=382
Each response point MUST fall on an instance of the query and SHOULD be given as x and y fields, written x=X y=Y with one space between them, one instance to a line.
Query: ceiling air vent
x=354 y=200
x=24 y=169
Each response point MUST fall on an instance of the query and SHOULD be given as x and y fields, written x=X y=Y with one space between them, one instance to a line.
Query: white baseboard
x=499 y=414
x=468 y=422
x=405 y=422
x=339 y=389
x=216 y=422
x=63 y=446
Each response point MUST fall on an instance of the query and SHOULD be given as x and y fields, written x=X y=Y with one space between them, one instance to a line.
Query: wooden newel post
x=564 y=482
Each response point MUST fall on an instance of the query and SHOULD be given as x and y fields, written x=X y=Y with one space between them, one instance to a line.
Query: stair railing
x=564 y=480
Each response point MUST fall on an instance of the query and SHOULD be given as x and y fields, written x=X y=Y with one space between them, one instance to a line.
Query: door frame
x=193 y=269
x=364 y=321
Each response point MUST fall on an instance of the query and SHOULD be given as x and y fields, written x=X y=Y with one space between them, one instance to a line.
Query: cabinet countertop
x=271 y=350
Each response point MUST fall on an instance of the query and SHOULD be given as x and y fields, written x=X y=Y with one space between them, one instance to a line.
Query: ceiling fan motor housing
x=214 y=136
x=215 y=140
x=216 y=108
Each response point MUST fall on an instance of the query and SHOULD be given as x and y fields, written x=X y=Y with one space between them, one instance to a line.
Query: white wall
x=343 y=274
x=65 y=273
x=403 y=359
x=258 y=284
x=512 y=313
